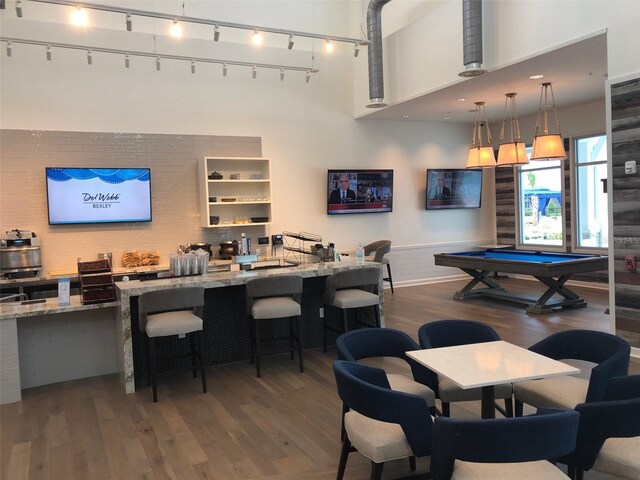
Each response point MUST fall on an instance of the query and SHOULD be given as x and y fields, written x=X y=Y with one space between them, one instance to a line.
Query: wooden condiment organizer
x=96 y=282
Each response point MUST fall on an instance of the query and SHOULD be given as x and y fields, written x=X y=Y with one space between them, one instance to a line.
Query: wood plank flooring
x=284 y=426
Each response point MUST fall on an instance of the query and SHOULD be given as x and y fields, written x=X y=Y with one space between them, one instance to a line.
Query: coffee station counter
x=93 y=328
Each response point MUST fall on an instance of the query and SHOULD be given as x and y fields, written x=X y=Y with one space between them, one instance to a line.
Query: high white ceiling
x=577 y=72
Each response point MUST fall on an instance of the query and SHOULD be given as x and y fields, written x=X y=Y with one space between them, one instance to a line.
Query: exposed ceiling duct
x=376 y=72
x=472 y=38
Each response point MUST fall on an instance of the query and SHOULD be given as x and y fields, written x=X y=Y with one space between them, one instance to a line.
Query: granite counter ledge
x=128 y=291
x=16 y=310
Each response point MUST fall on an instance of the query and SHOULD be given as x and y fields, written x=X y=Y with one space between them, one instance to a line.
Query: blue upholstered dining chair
x=382 y=424
x=450 y=333
x=601 y=356
x=609 y=432
x=505 y=448
x=365 y=343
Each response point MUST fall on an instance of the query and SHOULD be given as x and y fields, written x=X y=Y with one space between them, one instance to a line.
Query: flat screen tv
x=359 y=191
x=98 y=195
x=449 y=188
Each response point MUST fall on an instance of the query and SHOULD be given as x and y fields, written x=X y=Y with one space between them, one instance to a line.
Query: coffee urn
x=20 y=254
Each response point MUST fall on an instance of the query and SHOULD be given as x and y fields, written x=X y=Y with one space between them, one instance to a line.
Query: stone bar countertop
x=15 y=310
x=134 y=288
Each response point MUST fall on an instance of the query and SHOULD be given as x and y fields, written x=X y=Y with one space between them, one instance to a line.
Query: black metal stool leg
x=390 y=277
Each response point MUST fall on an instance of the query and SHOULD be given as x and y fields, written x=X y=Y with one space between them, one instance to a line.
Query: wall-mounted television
x=359 y=191
x=98 y=195
x=453 y=188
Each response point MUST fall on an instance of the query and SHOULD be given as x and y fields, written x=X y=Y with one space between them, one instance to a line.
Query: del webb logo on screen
x=101 y=200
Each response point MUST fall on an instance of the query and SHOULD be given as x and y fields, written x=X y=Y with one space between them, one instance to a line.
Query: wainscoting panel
x=414 y=264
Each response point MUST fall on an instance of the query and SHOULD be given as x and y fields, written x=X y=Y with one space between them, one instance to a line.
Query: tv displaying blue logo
x=98 y=195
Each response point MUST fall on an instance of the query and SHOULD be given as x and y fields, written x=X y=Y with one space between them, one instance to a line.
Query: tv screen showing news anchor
x=359 y=191
x=453 y=188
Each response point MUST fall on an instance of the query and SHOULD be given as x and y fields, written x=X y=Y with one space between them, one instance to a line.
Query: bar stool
x=377 y=252
x=275 y=298
x=165 y=313
x=352 y=290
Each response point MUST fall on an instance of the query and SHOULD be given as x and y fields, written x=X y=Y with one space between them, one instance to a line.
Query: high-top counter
x=224 y=311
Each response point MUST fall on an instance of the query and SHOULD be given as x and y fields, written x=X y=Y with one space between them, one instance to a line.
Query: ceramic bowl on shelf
x=214 y=220
x=259 y=219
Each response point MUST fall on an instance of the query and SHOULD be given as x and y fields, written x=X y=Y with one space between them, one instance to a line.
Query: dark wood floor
x=284 y=426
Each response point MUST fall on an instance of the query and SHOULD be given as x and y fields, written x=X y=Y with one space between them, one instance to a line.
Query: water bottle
x=360 y=254
x=243 y=245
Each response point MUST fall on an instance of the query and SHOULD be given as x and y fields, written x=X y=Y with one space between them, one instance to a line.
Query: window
x=540 y=203
x=591 y=197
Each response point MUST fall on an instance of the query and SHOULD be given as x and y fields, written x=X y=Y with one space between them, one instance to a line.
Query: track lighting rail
x=129 y=12
x=132 y=53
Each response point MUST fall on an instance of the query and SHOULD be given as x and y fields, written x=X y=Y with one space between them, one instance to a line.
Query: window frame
x=574 y=194
x=519 y=209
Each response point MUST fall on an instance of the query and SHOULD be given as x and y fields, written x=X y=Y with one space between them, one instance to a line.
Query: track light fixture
x=290 y=46
x=129 y=12
x=281 y=75
x=216 y=33
x=356 y=49
x=176 y=29
x=308 y=76
x=79 y=17
x=257 y=38
x=328 y=46
x=90 y=50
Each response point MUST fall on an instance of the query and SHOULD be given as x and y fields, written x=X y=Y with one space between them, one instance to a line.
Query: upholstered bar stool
x=349 y=290
x=165 y=313
x=377 y=252
x=270 y=299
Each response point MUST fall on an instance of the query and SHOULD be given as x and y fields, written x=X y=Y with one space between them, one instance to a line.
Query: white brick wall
x=24 y=154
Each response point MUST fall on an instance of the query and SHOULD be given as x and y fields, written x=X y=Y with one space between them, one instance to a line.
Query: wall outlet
x=321 y=312
x=630 y=167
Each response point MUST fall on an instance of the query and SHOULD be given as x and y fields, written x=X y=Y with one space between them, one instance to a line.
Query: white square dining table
x=485 y=365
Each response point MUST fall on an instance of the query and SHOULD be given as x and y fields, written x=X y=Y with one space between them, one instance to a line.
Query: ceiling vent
x=376 y=72
x=472 y=38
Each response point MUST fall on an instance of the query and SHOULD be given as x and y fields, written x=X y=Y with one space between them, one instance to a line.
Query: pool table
x=551 y=269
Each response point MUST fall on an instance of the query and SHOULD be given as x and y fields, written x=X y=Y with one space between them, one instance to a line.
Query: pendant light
x=481 y=156
x=547 y=146
x=512 y=152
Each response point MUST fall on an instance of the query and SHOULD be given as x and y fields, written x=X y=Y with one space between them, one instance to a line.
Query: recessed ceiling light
x=405 y=116
x=462 y=99
x=536 y=77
